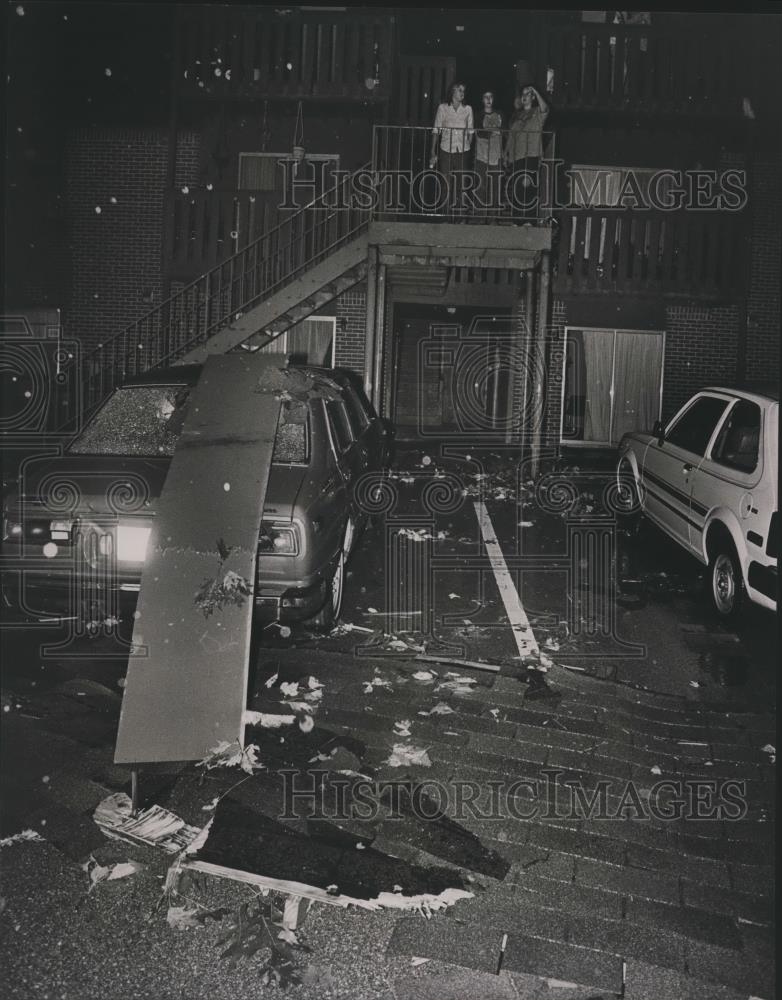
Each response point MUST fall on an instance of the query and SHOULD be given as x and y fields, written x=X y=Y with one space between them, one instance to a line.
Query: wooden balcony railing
x=512 y=190
x=696 y=254
x=659 y=69
x=261 y=52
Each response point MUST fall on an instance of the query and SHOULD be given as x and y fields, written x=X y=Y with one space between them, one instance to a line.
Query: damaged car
x=112 y=474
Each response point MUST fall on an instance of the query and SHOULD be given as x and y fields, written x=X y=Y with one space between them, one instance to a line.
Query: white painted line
x=519 y=623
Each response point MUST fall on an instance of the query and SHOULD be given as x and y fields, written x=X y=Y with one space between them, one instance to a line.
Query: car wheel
x=727 y=583
x=327 y=617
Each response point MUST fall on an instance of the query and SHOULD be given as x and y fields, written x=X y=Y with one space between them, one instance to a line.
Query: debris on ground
x=268 y=720
x=18 y=838
x=441 y=708
x=377 y=682
x=110 y=873
x=226 y=754
x=456 y=683
x=155 y=826
x=405 y=755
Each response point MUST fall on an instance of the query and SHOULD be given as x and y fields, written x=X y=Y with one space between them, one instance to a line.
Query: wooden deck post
x=540 y=371
x=370 y=335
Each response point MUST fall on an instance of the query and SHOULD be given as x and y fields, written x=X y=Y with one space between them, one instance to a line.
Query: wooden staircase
x=248 y=299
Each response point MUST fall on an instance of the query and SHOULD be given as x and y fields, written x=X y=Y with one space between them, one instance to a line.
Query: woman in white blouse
x=452 y=134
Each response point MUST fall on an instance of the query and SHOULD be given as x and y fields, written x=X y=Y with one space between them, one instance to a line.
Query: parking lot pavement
x=629 y=787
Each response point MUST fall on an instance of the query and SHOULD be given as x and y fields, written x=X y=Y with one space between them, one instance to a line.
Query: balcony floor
x=460 y=244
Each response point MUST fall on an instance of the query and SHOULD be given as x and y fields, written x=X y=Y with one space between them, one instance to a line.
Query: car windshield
x=146 y=420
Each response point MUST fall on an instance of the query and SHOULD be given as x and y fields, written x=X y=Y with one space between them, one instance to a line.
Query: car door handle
x=686 y=468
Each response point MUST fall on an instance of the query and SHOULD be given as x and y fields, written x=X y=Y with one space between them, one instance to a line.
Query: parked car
x=709 y=480
x=311 y=516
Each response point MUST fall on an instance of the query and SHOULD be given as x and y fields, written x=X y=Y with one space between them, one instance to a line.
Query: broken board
x=186 y=684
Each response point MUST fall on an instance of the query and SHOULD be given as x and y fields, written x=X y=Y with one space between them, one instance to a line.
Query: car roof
x=759 y=393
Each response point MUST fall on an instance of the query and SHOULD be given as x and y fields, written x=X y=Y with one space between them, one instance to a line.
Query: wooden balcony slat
x=713 y=236
x=578 y=256
x=572 y=68
x=729 y=253
x=598 y=225
x=655 y=252
x=623 y=262
x=281 y=76
x=355 y=42
x=620 y=69
x=604 y=70
x=668 y=235
x=368 y=52
x=694 y=247
x=589 y=86
x=338 y=58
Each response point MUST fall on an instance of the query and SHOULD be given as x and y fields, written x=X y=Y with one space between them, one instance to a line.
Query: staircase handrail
x=225 y=291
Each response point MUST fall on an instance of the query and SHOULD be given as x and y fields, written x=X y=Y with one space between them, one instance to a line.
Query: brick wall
x=115 y=254
x=351 y=311
x=555 y=362
x=188 y=159
x=763 y=313
x=700 y=349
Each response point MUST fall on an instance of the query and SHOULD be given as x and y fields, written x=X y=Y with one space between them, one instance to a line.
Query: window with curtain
x=612 y=384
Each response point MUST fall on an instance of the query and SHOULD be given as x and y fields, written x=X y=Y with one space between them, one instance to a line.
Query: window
x=148 y=419
x=356 y=413
x=290 y=445
x=138 y=420
x=260 y=171
x=310 y=342
x=612 y=383
x=693 y=430
x=340 y=425
x=737 y=443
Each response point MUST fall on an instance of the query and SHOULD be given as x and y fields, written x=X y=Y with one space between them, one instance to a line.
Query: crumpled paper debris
x=405 y=755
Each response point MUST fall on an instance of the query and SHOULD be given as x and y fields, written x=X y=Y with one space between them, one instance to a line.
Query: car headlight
x=132 y=542
x=11 y=529
x=278 y=540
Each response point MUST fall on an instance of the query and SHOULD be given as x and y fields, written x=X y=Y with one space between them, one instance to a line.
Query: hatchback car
x=113 y=473
x=709 y=480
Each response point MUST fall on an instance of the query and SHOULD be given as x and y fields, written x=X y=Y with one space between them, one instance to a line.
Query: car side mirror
x=658 y=430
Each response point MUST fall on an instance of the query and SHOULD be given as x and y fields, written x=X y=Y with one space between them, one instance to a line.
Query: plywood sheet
x=187 y=683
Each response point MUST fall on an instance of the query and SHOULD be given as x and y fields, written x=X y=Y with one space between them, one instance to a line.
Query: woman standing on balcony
x=524 y=148
x=488 y=152
x=452 y=135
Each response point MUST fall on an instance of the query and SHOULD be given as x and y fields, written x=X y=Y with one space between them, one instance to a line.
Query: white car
x=709 y=480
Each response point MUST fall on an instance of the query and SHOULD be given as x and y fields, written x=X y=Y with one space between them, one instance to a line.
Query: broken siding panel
x=186 y=686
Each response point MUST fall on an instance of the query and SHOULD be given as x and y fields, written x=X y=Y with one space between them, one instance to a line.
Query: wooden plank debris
x=186 y=685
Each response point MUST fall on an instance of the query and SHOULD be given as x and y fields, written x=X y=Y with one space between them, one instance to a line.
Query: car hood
x=74 y=485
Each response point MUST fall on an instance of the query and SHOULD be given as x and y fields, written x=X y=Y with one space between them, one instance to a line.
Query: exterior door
x=612 y=384
x=668 y=469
